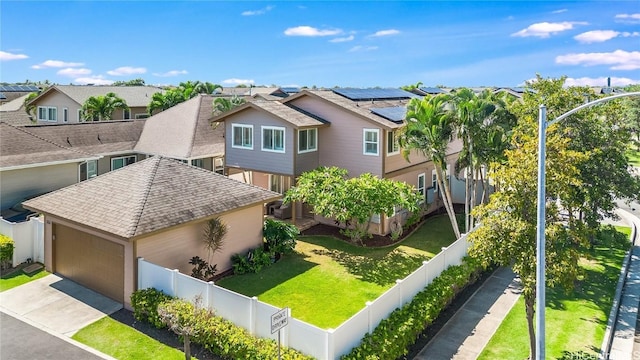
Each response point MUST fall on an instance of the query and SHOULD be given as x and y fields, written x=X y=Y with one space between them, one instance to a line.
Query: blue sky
x=321 y=43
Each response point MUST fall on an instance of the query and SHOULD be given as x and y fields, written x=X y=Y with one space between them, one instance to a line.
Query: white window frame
x=65 y=114
x=315 y=140
x=273 y=129
x=233 y=136
x=47 y=113
x=365 y=142
x=199 y=163
x=392 y=143
x=422 y=190
x=90 y=174
x=122 y=157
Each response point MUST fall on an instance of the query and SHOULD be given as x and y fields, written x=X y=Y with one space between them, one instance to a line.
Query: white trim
x=364 y=141
x=87 y=164
x=241 y=126
x=51 y=163
x=135 y=158
x=65 y=114
x=315 y=132
x=273 y=129
x=394 y=141
x=47 y=112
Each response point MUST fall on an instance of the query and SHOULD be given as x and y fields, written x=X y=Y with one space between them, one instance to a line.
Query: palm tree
x=163 y=101
x=101 y=107
x=206 y=88
x=223 y=104
x=429 y=130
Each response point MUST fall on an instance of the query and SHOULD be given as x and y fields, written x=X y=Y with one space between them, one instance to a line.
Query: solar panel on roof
x=432 y=90
x=290 y=90
x=374 y=94
x=394 y=113
x=2 y=96
x=18 y=88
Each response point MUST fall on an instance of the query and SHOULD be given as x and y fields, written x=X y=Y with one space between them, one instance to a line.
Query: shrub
x=145 y=305
x=280 y=236
x=6 y=251
x=253 y=262
x=201 y=268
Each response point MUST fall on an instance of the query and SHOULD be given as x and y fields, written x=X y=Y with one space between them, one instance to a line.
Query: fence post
x=331 y=351
x=400 y=293
x=210 y=294
x=140 y=270
x=174 y=282
x=253 y=309
x=367 y=306
x=425 y=265
x=444 y=261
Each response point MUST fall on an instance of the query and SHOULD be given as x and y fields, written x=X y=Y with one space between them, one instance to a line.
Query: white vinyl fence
x=255 y=316
x=28 y=237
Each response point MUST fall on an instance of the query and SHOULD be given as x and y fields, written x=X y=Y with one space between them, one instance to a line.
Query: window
x=117 y=163
x=47 y=113
x=421 y=184
x=88 y=170
x=242 y=136
x=434 y=180
x=126 y=114
x=198 y=163
x=65 y=114
x=392 y=143
x=279 y=183
x=370 y=142
x=273 y=139
x=307 y=140
x=142 y=116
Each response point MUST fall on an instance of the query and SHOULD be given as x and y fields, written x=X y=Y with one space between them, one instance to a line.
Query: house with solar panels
x=61 y=104
x=270 y=144
x=12 y=92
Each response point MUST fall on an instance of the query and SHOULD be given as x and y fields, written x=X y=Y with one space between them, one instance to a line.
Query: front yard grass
x=329 y=280
x=575 y=322
x=123 y=342
x=18 y=278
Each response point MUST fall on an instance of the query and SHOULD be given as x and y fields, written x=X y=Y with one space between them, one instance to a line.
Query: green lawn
x=123 y=342
x=18 y=278
x=634 y=156
x=329 y=280
x=575 y=322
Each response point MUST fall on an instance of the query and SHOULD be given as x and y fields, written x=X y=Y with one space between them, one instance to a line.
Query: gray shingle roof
x=148 y=196
x=100 y=137
x=15 y=104
x=135 y=96
x=21 y=148
x=278 y=109
x=16 y=118
x=183 y=131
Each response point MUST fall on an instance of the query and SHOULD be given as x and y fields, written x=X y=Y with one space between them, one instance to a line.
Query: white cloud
x=257 y=12
x=600 y=81
x=546 y=29
x=74 y=72
x=234 y=81
x=56 y=64
x=618 y=60
x=386 y=32
x=96 y=80
x=127 y=70
x=7 y=56
x=310 y=31
x=560 y=11
x=602 y=36
x=628 y=18
x=363 y=48
x=171 y=73
x=342 y=39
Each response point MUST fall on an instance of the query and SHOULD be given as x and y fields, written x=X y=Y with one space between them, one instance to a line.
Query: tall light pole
x=540 y=237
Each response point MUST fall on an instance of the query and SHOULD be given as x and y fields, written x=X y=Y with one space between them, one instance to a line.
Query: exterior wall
x=173 y=248
x=104 y=164
x=20 y=183
x=307 y=161
x=341 y=143
x=256 y=159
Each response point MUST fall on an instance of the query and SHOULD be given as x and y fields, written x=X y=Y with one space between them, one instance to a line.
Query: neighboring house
x=423 y=91
x=252 y=91
x=14 y=113
x=32 y=165
x=185 y=132
x=11 y=92
x=155 y=209
x=62 y=103
x=271 y=143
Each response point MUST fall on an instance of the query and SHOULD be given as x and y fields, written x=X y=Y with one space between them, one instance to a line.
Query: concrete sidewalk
x=466 y=334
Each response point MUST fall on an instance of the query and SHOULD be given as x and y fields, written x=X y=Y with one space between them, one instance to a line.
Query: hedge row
x=394 y=335
x=221 y=337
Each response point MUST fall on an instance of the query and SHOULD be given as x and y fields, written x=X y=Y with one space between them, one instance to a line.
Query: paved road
x=21 y=341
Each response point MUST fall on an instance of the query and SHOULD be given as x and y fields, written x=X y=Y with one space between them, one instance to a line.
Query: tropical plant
x=134 y=82
x=162 y=101
x=213 y=235
x=202 y=269
x=280 y=237
x=429 y=130
x=223 y=104
x=101 y=107
x=30 y=108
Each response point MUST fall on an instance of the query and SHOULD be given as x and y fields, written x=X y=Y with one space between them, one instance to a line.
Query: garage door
x=89 y=260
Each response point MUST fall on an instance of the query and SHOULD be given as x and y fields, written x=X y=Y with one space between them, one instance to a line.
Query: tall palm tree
x=429 y=130
x=163 y=101
x=101 y=107
x=206 y=88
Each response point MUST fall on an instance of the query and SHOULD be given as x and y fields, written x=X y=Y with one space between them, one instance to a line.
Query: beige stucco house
x=155 y=209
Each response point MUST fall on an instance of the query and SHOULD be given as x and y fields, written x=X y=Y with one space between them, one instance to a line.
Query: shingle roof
x=150 y=195
x=16 y=118
x=21 y=148
x=135 y=96
x=249 y=91
x=15 y=104
x=278 y=109
x=183 y=131
x=100 y=137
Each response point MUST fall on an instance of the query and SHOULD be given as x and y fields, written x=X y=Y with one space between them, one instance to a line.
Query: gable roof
x=97 y=137
x=183 y=131
x=16 y=118
x=135 y=96
x=15 y=104
x=20 y=148
x=148 y=196
x=286 y=113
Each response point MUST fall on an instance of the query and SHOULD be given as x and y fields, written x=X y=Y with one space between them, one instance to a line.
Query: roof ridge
x=21 y=128
x=195 y=125
x=147 y=190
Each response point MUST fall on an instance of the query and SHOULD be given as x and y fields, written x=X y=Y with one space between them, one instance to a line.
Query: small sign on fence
x=279 y=320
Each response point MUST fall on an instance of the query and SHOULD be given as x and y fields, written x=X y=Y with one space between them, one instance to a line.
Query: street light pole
x=540 y=237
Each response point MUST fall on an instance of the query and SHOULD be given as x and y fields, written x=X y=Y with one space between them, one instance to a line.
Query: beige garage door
x=89 y=260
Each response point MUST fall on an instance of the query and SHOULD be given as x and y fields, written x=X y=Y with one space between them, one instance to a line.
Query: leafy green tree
x=101 y=107
x=134 y=82
x=224 y=104
x=163 y=101
x=30 y=108
x=429 y=130
x=632 y=112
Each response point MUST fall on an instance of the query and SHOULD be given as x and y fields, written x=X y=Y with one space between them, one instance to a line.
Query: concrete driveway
x=57 y=305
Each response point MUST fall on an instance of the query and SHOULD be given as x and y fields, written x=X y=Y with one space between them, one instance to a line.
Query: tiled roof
x=148 y=196
x=16 y=118
x=278 y=109
x=135 y=96
x=21 y=148
x=15 y=104
x=100 y=137
x=183 y=131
